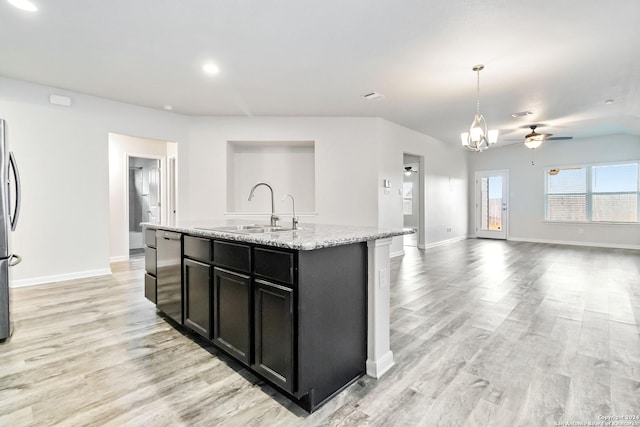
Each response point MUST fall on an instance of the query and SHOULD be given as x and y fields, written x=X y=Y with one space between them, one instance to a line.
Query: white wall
x=345 y=165
x=121 y=146
x=526 y=188
x=64 y=160
x=62 y=153
x=445 y=184
x=288 y=167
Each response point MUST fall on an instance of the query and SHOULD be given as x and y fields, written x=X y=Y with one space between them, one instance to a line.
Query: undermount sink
x=247 y=229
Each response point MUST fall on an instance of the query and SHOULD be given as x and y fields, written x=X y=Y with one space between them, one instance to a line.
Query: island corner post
x=379 y=354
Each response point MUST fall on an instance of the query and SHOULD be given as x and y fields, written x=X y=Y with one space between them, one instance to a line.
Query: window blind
x=597 y=193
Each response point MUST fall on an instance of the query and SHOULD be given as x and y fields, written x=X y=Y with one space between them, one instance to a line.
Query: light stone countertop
x=307 y=237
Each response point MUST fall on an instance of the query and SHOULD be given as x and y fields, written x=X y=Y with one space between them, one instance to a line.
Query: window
x=598 y=193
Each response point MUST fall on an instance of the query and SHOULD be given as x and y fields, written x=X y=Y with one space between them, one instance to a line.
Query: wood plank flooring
x=484 y=333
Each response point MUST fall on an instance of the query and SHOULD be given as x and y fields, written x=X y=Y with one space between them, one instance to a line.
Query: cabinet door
x=197 y=297
x=232 y=313
x=274 y=333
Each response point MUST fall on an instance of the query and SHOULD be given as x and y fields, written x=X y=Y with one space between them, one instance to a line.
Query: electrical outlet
x=449 y=229
x=383 y=278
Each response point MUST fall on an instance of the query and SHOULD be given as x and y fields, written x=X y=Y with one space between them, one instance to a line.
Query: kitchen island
x=307 y=310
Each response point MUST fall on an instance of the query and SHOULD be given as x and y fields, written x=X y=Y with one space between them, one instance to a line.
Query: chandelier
x=478 y=138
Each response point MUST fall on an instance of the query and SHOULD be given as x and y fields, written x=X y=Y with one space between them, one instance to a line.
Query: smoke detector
x=522 y=114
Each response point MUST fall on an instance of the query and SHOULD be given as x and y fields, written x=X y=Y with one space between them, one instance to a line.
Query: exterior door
x=492 y=204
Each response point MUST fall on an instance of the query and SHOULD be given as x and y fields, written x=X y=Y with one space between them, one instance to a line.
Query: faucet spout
x=274 y=218
x=294 y=219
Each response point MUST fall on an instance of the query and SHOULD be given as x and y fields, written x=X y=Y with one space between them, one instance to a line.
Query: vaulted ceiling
x=559 y=59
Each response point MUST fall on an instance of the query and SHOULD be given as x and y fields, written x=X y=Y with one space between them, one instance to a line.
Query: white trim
x=493 y=234
x=445 y=242
x=379 y=355
x=60 y=277
x=576 y=243
x=396 y=253
x=118 y=258
x=376 y=369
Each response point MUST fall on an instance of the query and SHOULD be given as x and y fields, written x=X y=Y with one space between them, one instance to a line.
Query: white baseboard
x=444 y=242
x=59 y=278
x=396 y=254
x=118 y=258
x=377 y=368
x=574 y=243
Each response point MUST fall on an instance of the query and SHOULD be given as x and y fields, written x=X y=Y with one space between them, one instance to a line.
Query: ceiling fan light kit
x=533 y=143
x=534 y=139
x=478 y=138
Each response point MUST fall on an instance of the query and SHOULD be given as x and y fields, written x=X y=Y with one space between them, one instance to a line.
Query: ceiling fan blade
x=559 y=138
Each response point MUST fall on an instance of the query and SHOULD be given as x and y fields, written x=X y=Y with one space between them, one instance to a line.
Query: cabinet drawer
x=198 y=248
x=150 y=288
x=150 y=237
x=150 y=263
x=274 y=265
x=232 y=255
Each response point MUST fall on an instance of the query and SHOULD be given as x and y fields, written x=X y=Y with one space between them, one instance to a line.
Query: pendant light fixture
x=478 y=138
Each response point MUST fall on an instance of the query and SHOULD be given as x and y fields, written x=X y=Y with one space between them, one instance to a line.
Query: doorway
x=492 y=202
x=173 y=191
x=412 y=190
x=144 y=195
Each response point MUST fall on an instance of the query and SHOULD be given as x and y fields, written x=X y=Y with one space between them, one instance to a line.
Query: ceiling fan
x=534 y=139
x=408 y=170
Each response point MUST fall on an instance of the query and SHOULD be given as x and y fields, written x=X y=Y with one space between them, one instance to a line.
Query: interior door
x=492 y=204
x=153 y=179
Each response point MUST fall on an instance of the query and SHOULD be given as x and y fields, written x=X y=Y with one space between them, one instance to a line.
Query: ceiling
x=559 y=59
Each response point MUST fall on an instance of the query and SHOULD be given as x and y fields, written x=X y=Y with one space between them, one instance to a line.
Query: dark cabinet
x=297 y=319
x=274 y=333
x=150 y=287
x=197 y=296
x=232 y=313
x=150 y=264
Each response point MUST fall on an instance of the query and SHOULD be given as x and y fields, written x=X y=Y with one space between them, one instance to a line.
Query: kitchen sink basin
x=247 y=229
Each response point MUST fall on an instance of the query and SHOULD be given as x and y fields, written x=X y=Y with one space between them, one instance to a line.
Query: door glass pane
x=491 y=203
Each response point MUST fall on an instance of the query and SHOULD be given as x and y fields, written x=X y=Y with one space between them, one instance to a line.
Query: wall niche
x=288 y=166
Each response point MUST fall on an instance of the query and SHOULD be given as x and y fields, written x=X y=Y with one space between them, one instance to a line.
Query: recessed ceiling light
x=24 y=5
x=522 y=113
x=373 y=95
x=168 y=107
x=210 y=68
x=609 y=101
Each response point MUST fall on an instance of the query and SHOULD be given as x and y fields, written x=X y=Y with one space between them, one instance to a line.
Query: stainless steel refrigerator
x=9 y=212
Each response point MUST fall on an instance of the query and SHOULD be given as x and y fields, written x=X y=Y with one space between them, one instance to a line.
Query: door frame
x=172 y=190
x=504 y=233
x=163 y=195
x=420 y=202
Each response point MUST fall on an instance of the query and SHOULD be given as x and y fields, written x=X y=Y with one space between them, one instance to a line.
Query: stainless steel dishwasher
x=169 y=288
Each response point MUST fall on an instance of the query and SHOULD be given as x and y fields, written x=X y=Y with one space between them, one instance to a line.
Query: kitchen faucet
x=274 y=218
x=294 y=219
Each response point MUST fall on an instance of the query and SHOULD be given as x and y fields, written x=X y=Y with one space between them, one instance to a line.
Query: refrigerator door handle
x=16 y=178
x=14 y=260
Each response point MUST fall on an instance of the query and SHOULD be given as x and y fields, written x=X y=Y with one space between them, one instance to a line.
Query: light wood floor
x=484 y=333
